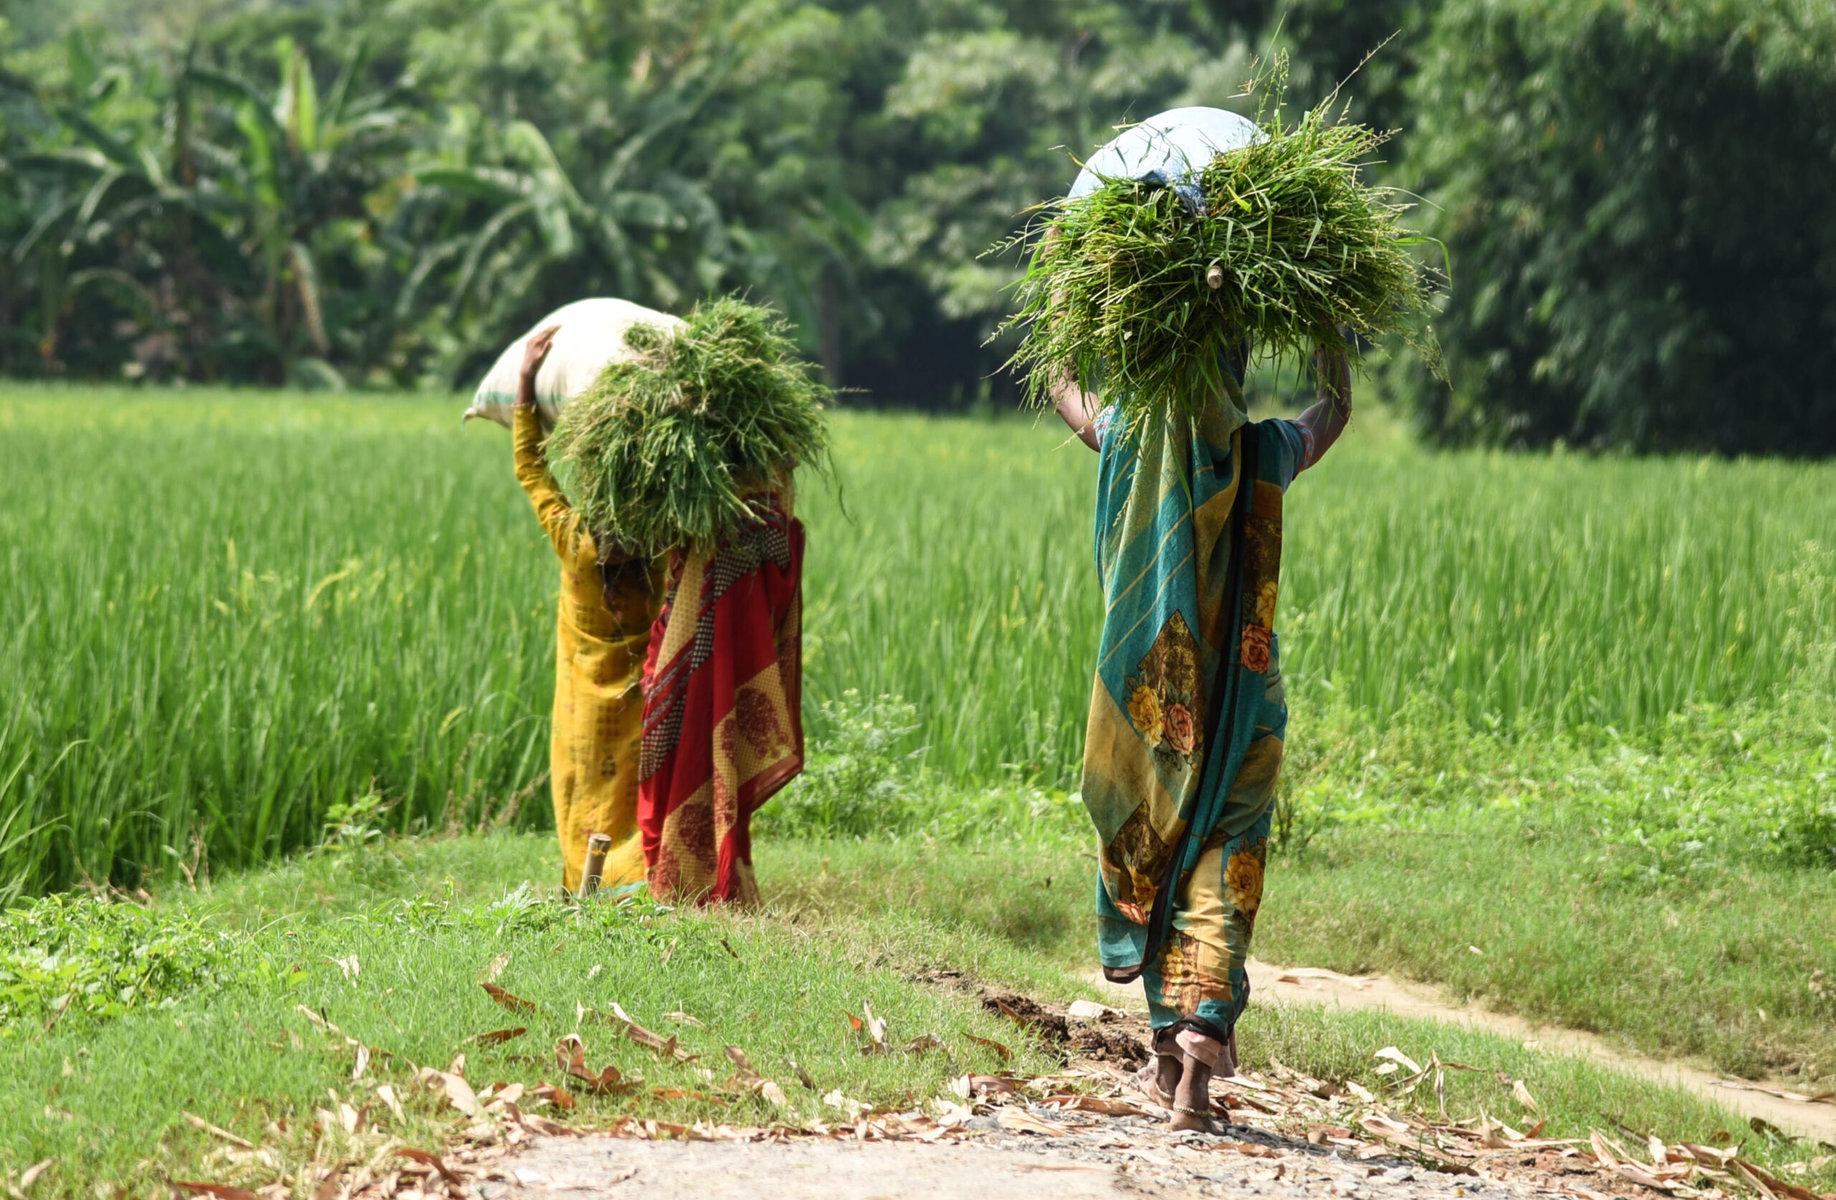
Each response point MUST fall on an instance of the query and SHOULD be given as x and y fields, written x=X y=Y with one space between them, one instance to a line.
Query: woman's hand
x=1332 y=370
x=534 y=355
x=1077 y=408
x=1326 y=419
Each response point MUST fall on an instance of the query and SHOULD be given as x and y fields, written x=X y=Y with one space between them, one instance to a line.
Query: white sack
x=592 y=335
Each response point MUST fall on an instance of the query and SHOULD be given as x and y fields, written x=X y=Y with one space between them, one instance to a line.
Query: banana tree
x=86 y=195
x=639 y=205
x=527 y=229
x=210 y=219
x=303 y=167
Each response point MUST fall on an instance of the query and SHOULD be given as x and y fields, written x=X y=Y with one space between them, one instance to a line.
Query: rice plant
x=224 y=613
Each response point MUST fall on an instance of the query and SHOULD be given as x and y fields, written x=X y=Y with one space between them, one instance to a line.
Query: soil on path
x=1770 y=1101
x=1102 y=1163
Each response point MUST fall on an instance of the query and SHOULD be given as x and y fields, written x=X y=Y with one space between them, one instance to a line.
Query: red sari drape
x=723 y=724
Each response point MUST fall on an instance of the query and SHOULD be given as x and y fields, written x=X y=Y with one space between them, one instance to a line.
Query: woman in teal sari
x=1187 y=714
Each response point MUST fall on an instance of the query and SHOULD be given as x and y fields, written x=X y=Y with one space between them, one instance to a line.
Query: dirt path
x=1308 y=985
x=1098 y=1163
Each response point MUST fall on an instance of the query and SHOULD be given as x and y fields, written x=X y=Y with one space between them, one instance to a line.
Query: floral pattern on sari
x=1165 y=692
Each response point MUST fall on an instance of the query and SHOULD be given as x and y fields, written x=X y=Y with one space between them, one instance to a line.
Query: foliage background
x=383 y=192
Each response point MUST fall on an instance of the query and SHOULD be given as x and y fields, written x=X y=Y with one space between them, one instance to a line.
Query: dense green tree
x=966 y=115
x=385 y=191
x=1368 y=48
x=1635 y=198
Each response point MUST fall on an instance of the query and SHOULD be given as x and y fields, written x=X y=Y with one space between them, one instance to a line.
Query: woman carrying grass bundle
x=608 y=602
x=1190 y=238
x=685 y=453
x=1184 y=742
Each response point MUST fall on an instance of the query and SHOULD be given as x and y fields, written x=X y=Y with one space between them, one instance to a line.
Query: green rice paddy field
x=225 y=612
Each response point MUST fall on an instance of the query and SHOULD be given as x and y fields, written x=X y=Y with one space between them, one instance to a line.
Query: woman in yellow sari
x=608 y=604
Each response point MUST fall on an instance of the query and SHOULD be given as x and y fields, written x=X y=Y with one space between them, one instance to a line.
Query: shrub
x=857 y=783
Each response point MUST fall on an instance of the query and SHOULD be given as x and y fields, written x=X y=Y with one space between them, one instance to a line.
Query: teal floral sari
x=1187 y=715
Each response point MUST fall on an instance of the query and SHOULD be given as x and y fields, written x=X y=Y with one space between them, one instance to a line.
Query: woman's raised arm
x=551 y=506
x=1325 y=420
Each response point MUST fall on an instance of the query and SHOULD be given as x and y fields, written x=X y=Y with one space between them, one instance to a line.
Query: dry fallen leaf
x=221 y=1191
x=33 y=1172
x=1604 y=1155
x=197 y=1122
x=491 y=970
x=570 y=1055
x=496 y=1037
x=1021 y=1121
x=454 y=1088
x=1090 y=1010
x=876 y=1026
x=1777 y=1185
x=542 y=1125
x=386 y=1094
x=548 y=1093
x=428 y=1159
x=318 y=1021
x=656 y=1043
x=1001 y=1051
x=853 y=1108
x=1109 y=1106
x=1401 y=1059
x=803 y=1076
x=1523 y=1095
x=513 y=1003
x=992 y=1085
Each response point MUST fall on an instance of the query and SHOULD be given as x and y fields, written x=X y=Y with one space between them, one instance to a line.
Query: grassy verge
x=223 y=1035
x=1730 y=974
x=394 y=965
x=1675 y=890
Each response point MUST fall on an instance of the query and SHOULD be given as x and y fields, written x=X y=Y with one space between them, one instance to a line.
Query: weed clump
x=1289 y=245
x=668 y=450
x=65 y=958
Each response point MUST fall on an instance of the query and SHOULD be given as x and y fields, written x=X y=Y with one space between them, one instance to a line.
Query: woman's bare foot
x=1160 y=1078
x=1199 y=1057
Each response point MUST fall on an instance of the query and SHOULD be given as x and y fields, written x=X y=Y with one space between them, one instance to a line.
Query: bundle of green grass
x=1130 y=291
x=672 y=448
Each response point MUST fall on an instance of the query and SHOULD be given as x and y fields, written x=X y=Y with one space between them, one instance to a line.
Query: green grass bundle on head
x=668 y=449
x=1116 y=293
